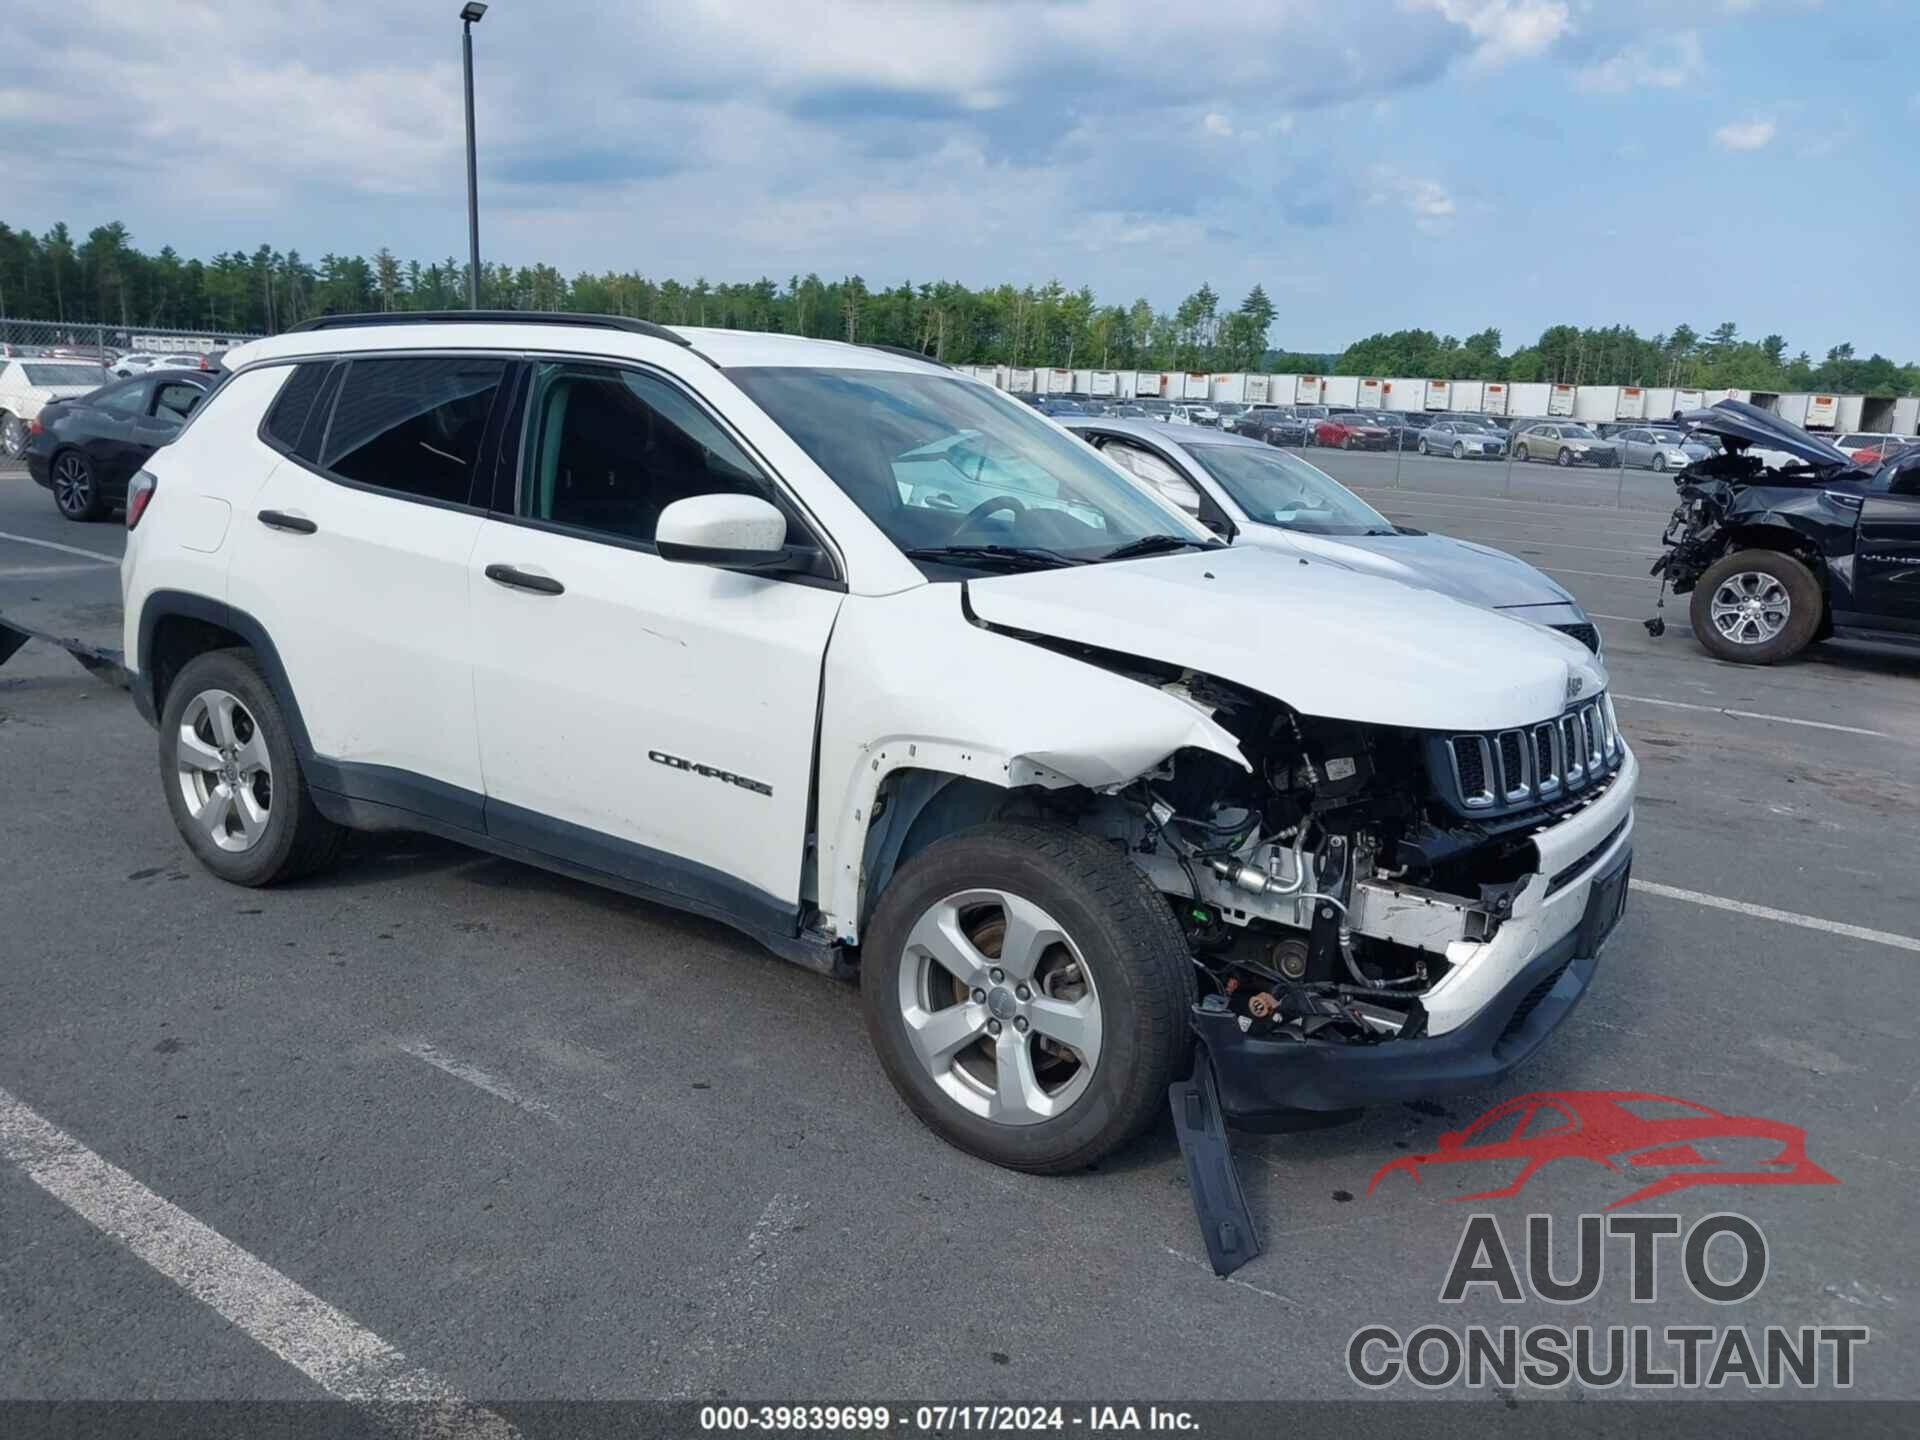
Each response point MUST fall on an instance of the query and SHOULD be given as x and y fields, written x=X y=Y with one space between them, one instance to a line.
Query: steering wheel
x=988 y=507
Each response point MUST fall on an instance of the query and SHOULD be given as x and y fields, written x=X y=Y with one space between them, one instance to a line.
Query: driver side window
x=609 y=449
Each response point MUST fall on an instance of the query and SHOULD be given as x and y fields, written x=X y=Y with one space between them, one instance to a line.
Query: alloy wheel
x=13 y=437
x=1750 y=608
x=224 y=770
x=72 y=484
x=1000 y=1007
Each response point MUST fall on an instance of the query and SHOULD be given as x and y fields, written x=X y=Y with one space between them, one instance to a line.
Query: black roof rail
x=494 y=317
x=905 y=353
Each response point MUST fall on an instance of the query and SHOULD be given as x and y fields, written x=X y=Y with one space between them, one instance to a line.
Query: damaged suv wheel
x=1026 y=990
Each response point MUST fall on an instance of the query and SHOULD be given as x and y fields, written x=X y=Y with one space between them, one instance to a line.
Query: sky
x=1374 y=164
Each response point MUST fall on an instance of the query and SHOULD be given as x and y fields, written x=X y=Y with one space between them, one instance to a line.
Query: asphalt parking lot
x=548 y=1142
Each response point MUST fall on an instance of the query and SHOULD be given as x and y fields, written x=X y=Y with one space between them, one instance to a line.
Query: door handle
x=281 y=520
x=517 y=579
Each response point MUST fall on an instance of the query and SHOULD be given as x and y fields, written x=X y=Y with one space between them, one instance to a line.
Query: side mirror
x=728 y=532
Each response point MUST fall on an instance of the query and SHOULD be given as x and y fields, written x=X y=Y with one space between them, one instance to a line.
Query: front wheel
x=1564 y=458
x=1026 y=991
x=1421 y=448
x=1459 y=450
x=1659 y=463
x=1756 y=607
x=1520 y=453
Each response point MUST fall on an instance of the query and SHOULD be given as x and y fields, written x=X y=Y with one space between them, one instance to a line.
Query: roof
x=577 y=334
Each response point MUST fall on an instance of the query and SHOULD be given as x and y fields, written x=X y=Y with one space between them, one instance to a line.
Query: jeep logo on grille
x=1575 y=684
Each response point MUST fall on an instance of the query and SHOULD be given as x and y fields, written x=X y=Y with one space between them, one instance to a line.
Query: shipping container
x=1439 y=395
x=1493 y=398
x=1594 y=404
x=1369 y=394
x=1307 y=390
x=1906 y=415
x=1149 y=384
x=1258 y=388
x=1819 y=412
x=1059 y=382
x=1103 y=383
x=1560 y=400
x=1528 y=398
x=1020 y=381
x=1340 y=391
x=1196 y=387
x=1630 y=404
x=1687 y=399
x=1876 y=414
x=1846 y=412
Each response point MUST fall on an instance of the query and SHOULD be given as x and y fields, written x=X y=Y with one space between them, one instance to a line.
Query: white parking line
x=326 y=1345
x=40 y=572
x=1784 y=917
x=460 y=1070
x=63 y=549
x=1754 y=715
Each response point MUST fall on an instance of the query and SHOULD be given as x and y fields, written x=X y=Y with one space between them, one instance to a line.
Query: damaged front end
x=1374 y=913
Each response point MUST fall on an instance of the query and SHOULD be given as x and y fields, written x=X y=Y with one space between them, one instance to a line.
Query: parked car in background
x=1857 y=442
x=1461 y=439
x=1272 y=425
x=1563 y=443
x=1351 y=430
x=1057 y=407
x=1652 y=448
x=1252 y=494
x=135 y=363
x=1778 y=556
x=28 y=386
x=1886 y=450
x=86 y=450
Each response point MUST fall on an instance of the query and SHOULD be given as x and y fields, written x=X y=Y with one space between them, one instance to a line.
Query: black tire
x=1564 y=458
x=1128 y=937
x=13 y=436
x=297 y=840
x=76 y=489
x=1804 y=619
x=1659 y=462
x=1421 y=448
x=1520 y=453
x=1459 y=449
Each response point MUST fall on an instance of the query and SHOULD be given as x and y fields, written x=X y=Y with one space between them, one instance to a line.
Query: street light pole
x=470 y=16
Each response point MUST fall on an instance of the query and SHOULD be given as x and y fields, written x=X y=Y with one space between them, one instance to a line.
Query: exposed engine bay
x=1321 y=893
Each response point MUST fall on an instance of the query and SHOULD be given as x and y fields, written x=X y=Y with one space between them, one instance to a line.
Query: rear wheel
x=13 y=436
x=76 y=493
x=1026 y=991
x=233 y=783
x=1520 y=453
x=1756 y=607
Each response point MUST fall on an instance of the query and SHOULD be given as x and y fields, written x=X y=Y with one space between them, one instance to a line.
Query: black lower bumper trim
x=1261 y=1078
x=1225 y=1221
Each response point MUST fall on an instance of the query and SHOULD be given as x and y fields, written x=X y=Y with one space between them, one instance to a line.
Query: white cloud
x=1745 y=135
x=1218 y=124
x=1427 y=201
x=1660 y=64
x=1506 y=30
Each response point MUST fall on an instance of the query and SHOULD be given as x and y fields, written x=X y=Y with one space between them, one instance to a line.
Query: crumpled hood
x=1324 y=639
x=1738 y=420
x=1477 y=574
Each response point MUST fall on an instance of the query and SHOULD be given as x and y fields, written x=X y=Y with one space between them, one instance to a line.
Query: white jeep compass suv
x=887 y=671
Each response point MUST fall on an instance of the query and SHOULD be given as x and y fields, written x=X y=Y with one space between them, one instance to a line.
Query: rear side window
x=413 y=426
x=288 y=414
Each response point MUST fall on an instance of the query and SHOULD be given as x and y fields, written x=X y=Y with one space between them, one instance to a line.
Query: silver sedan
x=1646 y=447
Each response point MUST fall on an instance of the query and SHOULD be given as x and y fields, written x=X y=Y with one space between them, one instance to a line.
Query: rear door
x=1887 y=552
x=107 y=422
x=354 y=558
x=645 y=719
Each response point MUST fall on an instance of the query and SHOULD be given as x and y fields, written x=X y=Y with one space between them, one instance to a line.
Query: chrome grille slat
x=1555 y=760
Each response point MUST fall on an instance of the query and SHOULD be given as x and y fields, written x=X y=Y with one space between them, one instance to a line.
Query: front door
x=1887 y=554
x=643 y=718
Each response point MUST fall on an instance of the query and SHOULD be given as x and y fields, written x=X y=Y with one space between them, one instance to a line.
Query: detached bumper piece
x=1256 y=1082
x=98 y=661
x=1225 y=1221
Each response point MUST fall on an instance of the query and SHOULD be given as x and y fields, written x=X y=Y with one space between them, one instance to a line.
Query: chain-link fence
x=44 y=358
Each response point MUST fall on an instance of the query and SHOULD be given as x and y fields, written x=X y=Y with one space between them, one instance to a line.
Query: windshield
x=1276 y=488
x=937 y=461
x=1577 y=432
x=64 y=374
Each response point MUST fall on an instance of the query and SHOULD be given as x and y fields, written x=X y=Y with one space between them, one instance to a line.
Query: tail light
x=140 y=495
x=34 y=427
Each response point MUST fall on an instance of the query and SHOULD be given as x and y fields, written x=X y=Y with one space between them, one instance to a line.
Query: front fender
x=910 y=683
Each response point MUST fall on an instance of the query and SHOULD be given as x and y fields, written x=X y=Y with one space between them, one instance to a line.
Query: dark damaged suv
x=1780 y=555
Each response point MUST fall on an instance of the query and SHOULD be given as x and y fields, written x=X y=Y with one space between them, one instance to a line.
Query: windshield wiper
x=1156 y=544
x=1014 y=556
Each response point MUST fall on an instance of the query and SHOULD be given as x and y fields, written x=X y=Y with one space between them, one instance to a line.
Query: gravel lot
x=550 y=1142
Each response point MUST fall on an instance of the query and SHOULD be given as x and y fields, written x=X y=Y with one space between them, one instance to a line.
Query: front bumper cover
x=1263 y=1079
